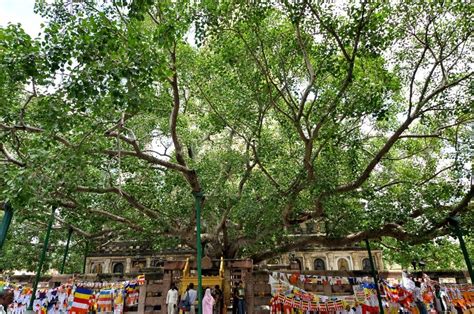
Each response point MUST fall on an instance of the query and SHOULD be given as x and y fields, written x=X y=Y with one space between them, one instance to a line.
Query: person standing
x=235 y=298
x=218 y=297
x=172 y=299
x=418 y=299
x=192 y=298
x=439 y=300
x=207 y=302
x=238 y=298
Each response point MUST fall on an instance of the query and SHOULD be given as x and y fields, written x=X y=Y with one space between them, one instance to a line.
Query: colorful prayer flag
x=104 y=301
x=141 y=280
x=81 y=300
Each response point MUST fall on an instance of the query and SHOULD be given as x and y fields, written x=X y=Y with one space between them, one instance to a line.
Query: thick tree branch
x=126 y=196
x=149 y=158
x=262 y=167
x=32 y=129
x=72 y=204
x=412 y=80
x=439 y=90
x=395 y=136
x=329 y=29
x=303 y=241
x=175 y=111
x=117 y=218
x=9 y=157
x=311 y=74
x=368 y=170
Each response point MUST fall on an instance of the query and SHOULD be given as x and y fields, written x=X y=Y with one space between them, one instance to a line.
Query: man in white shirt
x=172 y=299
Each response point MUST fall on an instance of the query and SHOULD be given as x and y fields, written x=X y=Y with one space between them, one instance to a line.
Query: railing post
x=7 y=219
x=374 y=275
x=86 y=251
x=454 y=222
x=198 y=196
x=66 y=250
x=42 y=258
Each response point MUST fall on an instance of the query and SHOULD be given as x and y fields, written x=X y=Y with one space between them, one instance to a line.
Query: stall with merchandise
x=410 y=296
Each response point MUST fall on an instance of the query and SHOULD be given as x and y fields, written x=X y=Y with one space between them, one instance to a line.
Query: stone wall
x=333 y=258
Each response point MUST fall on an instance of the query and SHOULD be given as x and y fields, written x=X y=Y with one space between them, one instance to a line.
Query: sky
x=20 y=11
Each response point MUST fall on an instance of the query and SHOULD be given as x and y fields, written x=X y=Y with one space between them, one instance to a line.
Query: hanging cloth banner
x=78 y=297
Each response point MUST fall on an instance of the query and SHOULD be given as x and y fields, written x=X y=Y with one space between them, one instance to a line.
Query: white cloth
x=407 y=283
x=172 y=301
x=172 y=297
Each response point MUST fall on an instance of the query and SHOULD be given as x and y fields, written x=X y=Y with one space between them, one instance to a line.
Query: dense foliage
x=356 y=117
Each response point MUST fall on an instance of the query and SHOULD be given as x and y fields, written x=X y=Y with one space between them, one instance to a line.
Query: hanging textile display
x=421 y=297
x=76 y=297
x=118 y=301
x=429 y=296
x=81 y=302
x=105 y=300
x=132 y=290
x=296 y=299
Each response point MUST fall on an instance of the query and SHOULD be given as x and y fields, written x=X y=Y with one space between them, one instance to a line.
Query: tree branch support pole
x=374 y=275
x=86 y=251
x=42 y=258
x=7 y=219
x=198 y=196
x=454 y=222
x=66 y=250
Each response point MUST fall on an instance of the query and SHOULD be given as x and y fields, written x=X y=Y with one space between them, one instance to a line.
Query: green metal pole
x=86 y=251
x=66 y=251
x=374 y=274
x=198 y=196
x=466 y=254
x=7 y=219
x=42 y=258
x=455 y=221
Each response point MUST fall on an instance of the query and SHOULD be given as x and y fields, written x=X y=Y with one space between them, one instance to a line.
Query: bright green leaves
x=18 y=53
x=279 y=106
x=372 y=89
x=20 y=63
x=440 y=254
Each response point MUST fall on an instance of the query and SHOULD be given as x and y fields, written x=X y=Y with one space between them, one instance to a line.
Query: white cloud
x=20 y=11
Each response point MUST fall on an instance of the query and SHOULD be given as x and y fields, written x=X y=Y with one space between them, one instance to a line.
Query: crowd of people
x=212 y=301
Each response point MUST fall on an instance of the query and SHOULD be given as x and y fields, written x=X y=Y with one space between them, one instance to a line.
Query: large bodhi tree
x=355 y=117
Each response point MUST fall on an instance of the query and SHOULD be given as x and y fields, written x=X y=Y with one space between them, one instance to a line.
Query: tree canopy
x=355 y=117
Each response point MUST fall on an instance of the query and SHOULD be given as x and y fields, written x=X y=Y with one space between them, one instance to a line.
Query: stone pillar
x=351 y=262
x=332 y=262
x=88 y=267
x=148 y=262
x=249 y=291
x=378 y=257
x=142 y=299
x=303 y=262
x=308 y=263
x=154 y=296
x=107 y=269
x=128 y=265
x=165 y=286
